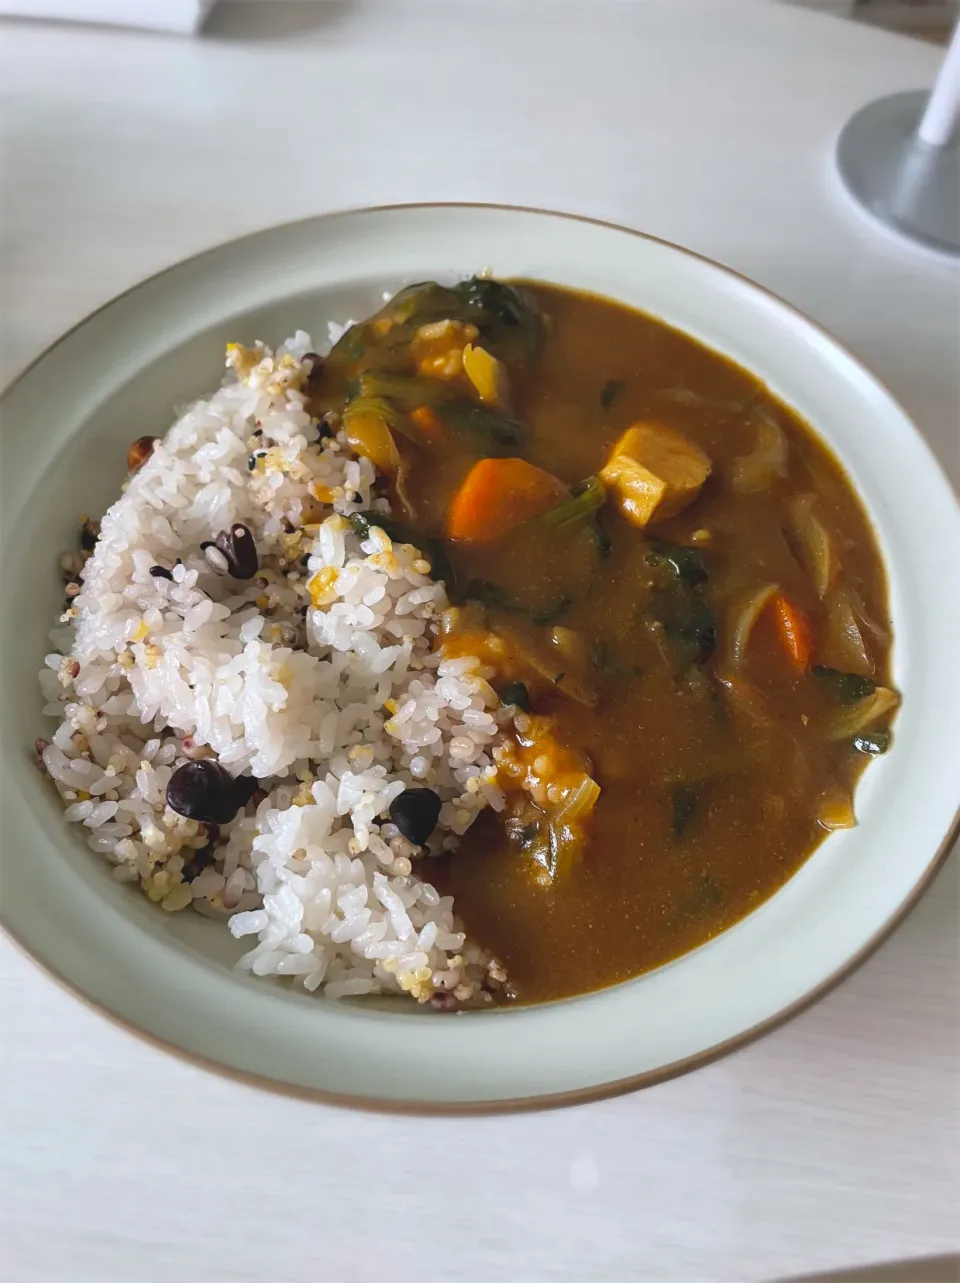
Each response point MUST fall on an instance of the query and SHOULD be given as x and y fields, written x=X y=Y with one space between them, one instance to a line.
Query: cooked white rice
x=319 y=677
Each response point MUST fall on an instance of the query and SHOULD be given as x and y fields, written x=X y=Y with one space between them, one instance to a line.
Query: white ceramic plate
x=66 y=424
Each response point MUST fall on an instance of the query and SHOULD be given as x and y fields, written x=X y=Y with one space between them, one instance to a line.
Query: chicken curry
x=675 y=592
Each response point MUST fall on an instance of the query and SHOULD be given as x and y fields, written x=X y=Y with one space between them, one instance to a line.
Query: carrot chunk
x=499 y=494
x=794 y=630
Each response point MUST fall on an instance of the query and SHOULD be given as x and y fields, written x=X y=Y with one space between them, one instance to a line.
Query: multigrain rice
x=319 y=676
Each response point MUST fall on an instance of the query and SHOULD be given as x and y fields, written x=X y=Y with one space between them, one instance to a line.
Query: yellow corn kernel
x=322 y=587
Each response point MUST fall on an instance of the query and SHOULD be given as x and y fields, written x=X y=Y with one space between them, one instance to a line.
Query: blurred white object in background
x=185 y=16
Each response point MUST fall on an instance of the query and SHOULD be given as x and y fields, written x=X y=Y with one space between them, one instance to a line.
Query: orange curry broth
x=708 y=802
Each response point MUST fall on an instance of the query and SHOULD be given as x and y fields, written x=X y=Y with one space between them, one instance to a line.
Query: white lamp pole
x=899 y=158
x=938 y=128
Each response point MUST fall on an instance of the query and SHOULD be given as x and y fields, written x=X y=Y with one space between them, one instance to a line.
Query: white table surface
x=831 y=1142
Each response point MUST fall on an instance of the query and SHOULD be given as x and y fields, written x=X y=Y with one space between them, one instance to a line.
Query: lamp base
x=912 y=189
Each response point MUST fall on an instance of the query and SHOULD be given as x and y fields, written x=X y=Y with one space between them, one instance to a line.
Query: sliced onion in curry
x=561 y=672
x=742 y=619
x=835 y=810
x=864 y=618
x=811 y=543
x=566 y=844
x=687 y=396
x=852 y=719
x=766 y=463
x=745 y=701
x=401 y=490
x=843 y=644
x=570 y=645
x=578 y=803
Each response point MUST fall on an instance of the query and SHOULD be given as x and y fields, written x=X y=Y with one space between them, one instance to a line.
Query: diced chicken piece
x=654 y=472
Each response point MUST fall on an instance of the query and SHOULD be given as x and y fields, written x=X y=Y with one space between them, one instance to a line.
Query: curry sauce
x=712 y=657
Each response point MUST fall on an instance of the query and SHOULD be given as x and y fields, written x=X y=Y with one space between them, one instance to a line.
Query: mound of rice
x=319 y=677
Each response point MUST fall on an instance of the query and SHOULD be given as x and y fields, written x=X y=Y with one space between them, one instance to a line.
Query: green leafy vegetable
x=494 y=433
x=490 y=594
x=363 y=522
x=872 y=742
x=683 y=809
x=379 y=407
x=687 y=563
x=677 y=604
x=610 y=391
x=516 y=693
x=422 y=303
x=689 y=624
x=604 y=659
x=502 y=313
x=350 y=345
x=601 y=539
x=846 y=688
x=585 y=499
x=499 y=311
x=551 y=613
x=405 y=391
x=493 y=300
